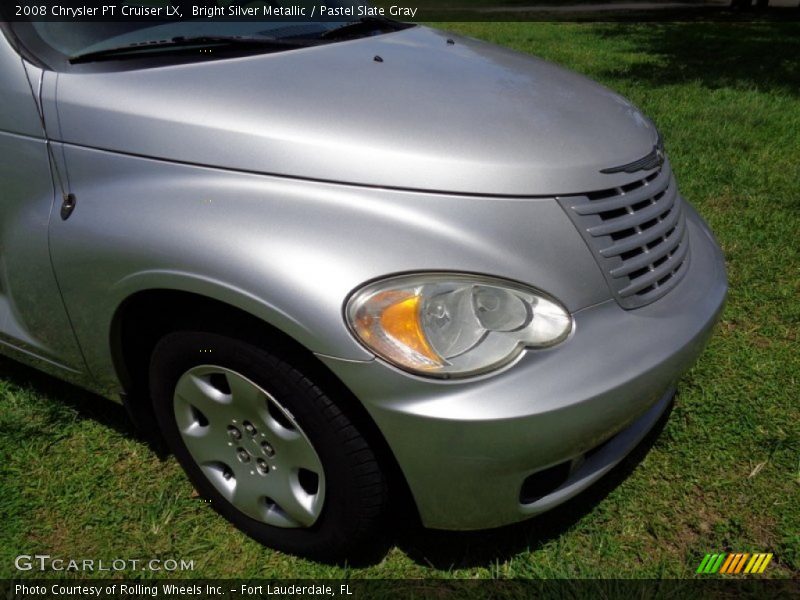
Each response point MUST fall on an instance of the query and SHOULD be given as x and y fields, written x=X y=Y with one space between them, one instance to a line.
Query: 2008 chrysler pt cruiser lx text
x=337 y=264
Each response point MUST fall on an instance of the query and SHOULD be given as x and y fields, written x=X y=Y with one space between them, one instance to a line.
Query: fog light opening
x=544 y=482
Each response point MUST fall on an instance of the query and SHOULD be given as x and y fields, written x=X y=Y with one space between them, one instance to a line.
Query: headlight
x=449 y=325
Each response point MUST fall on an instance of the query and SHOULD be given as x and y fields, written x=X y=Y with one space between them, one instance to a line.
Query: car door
x=34 y=326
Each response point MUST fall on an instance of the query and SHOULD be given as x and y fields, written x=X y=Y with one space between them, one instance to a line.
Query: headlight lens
x=446 y=325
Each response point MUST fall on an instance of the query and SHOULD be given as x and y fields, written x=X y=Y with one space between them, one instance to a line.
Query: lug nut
x=268 y=449
x=263 y=467
x=234 y=432
x=243 y=455
x=248 y=427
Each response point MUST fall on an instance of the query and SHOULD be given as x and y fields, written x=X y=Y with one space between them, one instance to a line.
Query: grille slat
x=654 y=275
x=642 y=239
x=636 y=218
x=647 y=190
x=653 y=293
x=647 y=257
x=638 y=235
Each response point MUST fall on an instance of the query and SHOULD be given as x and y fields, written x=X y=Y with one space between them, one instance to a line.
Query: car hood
x=405 y=110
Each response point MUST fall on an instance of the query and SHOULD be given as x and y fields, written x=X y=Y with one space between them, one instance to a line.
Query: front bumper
x=467 y=447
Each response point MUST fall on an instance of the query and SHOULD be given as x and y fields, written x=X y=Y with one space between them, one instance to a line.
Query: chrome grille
x=637 y=233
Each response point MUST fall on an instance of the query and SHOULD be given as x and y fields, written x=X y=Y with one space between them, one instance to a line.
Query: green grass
x=723 y=475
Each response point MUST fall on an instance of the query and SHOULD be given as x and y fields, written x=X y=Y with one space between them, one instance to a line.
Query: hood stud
x=377 y=58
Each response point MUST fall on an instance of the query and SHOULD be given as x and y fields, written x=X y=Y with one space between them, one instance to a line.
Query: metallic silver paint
x=470 y=118
x=19 y=114
x=551 y=406
x=496 y=133
x=289 y=252
x=34 y=327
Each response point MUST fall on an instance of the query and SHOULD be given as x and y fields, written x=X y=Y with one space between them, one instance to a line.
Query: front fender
x=287 y=251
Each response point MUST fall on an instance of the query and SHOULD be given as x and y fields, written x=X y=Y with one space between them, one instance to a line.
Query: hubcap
x=249 y=447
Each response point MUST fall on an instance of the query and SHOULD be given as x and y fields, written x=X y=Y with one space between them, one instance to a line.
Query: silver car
x=340 y=267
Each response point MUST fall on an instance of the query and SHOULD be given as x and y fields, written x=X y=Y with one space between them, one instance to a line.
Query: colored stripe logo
x=734 y=563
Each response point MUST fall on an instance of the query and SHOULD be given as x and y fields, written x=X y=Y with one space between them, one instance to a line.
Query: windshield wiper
x=362 y=26
x=182 y=43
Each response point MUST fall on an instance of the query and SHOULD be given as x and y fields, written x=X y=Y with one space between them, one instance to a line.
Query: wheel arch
x=146 y=316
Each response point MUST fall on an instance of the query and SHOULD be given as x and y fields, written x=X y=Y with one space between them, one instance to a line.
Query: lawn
x=723 y=474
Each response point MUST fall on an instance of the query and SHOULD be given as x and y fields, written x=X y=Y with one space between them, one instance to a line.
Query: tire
x=242 y=421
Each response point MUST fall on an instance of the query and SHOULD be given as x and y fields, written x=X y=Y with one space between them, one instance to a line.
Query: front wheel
x=274 y=454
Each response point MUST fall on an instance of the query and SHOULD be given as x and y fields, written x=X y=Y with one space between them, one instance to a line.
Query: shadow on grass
x=761 y=56
x=455 y=550
x=62 y=397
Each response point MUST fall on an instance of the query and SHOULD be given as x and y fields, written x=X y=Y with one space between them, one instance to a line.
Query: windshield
x=69 y=38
